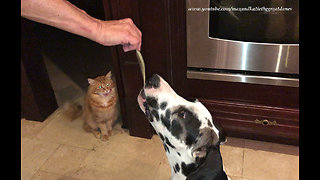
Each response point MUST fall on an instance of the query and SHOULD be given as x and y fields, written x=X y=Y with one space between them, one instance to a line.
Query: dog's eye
x=182 y=114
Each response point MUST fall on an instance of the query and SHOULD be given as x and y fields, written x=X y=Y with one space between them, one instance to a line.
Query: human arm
x=64 y=15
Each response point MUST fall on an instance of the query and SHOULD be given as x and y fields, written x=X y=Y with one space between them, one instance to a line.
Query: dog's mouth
x=143 y=104
x=143 y=94
x=142 y=100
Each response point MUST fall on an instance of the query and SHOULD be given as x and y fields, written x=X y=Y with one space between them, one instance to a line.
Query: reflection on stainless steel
x=207 y=52
x=279 y=58
x=268 y=80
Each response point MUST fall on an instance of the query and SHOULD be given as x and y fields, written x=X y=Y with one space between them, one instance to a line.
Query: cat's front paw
x=104 y=137
x=110 y=132
x=96 y=134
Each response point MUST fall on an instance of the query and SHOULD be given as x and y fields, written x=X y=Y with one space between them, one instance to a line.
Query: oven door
x=247 y=42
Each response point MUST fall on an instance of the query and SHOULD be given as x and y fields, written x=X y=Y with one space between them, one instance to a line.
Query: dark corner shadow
x=76 y=56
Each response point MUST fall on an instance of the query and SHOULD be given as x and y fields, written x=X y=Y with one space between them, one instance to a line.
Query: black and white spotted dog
x=189 y=135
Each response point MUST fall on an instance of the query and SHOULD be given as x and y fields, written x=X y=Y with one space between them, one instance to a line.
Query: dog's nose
x=153 y=82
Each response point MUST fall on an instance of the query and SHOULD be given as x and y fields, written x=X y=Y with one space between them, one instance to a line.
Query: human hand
x=116 y=32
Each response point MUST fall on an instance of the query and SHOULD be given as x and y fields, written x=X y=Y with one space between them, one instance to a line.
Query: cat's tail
x=72 y=110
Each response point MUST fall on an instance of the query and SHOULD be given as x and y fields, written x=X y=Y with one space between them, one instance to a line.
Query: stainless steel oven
x=249 y=41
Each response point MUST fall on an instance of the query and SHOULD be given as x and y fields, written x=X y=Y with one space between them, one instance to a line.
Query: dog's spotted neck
x=181 y=164
x=180 y=157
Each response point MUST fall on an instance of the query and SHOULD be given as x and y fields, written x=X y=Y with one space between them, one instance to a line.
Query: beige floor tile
x=43 y=175
x=232 y=159
x=272 y=147
x=264 y=160
x=33 y=154
x=238 y=178
x=123 y=157
x=235 y=142
x=30 y=129
x=63 y=131
x=163 y=171
x=65 y=160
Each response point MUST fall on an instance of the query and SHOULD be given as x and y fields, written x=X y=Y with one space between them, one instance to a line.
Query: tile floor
x=59 y=149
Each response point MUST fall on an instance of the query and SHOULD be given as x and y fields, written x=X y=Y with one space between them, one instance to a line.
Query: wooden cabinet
x=236 y=106
x=255 y=121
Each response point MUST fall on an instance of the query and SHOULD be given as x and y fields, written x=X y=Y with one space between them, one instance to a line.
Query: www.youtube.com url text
x=249 y=8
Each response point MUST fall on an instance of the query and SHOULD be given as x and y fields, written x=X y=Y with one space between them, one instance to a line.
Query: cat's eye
x=100 y=86
x=108 y=84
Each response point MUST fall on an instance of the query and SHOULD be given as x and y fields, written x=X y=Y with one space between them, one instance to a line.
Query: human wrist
x=95 y=30
x=90 y=27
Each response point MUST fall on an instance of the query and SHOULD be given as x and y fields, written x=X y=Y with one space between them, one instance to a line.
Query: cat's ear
x=90 y=81
x=108 y=75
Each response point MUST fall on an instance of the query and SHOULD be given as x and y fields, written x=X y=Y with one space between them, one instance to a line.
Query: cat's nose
x=153 y=82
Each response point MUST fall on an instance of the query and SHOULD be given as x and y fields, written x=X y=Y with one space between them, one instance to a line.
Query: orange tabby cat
x=100 y=106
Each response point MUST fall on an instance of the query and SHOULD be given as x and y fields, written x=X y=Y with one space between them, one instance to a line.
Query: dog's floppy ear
x=211 y=167
x=222 y=134
x=207 y=137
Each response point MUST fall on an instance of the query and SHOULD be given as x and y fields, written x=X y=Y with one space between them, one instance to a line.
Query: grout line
x=244 y=146
x=33 y=176
x=90 y=149
x=49 y=157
